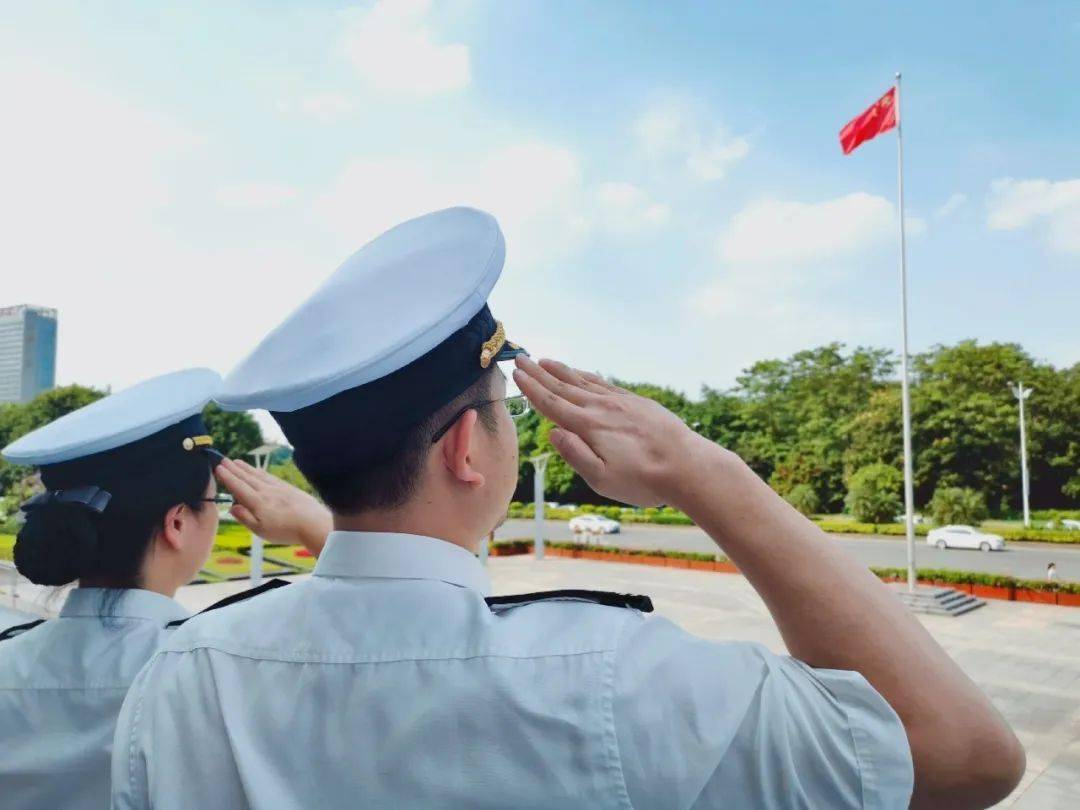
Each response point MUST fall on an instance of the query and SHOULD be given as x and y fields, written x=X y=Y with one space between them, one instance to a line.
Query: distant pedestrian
x=1051 y=572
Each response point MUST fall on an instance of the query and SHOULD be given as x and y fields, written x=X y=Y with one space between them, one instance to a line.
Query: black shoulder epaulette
x=269 y=585
x=621 y=600
x=19 y=629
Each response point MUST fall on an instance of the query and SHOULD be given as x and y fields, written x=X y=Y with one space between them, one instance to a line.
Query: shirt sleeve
x=704 y=724
x=130 y=787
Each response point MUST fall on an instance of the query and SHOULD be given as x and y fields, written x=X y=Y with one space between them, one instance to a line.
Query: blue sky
x=178 y=176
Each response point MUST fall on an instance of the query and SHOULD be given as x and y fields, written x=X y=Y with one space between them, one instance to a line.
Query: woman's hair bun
x=58 y=543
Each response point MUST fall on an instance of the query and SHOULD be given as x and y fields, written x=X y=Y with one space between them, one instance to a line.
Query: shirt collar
x=123 y=603
x=400 y=556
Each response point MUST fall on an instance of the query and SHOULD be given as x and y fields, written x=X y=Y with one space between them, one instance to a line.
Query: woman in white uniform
x=129 y=513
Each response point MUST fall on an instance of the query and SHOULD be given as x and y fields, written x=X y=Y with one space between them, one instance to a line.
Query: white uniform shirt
x=386 y=681
x=61 y=687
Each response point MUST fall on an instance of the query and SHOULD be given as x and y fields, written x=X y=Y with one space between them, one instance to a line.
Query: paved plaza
x=1026 y=656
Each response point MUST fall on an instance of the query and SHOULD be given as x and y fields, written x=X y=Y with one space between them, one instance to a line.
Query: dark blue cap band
x=366 y=424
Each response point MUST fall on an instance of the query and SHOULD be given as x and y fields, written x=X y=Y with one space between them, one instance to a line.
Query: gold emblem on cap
x=492 y=345
x=191 y=442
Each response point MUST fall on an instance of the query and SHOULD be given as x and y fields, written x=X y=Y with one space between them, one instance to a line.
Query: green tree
x=16 y=420
x=874 y=493
x=874 y=435
x=792 y=426
x=288 y=471
x=965 y=428
x=235 y=433
x=958 y=505
x=804 y=498
x=818 y=417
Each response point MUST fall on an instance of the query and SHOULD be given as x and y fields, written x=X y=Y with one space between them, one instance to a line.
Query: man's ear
x=457 y=446
x=172 y=526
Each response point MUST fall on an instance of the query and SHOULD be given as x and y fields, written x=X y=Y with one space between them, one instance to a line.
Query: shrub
x=804 y=498
x=874 y=493
x=290 y=473
x=958 y=505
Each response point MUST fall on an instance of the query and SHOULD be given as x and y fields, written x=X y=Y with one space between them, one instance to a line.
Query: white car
x=1070 y=524
x=594 y=524
x=964 y=537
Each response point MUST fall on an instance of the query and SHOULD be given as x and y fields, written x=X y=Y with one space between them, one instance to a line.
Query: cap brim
x=509 y=351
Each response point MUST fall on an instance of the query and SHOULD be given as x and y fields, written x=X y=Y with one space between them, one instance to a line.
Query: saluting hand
x=626 y=447
x=273 y=509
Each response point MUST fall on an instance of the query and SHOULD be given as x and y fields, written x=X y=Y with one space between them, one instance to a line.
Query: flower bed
x=231 y=565
x=292 y=556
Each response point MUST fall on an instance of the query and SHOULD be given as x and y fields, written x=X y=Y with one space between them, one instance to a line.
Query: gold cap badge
x=492 y=345
x=191 y=442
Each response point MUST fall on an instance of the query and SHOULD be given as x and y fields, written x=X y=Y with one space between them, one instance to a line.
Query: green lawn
x=233 y=536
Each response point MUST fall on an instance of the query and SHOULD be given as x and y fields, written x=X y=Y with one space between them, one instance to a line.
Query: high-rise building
x=27 y=352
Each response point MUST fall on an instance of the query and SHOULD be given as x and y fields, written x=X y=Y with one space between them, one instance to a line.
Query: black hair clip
x=93 y=498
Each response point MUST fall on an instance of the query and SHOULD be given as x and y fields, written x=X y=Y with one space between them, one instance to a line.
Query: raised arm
x=274 y=509
x=832 y=612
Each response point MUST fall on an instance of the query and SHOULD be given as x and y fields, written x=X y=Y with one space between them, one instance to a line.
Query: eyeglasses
x=517 y=406
x=218 y=499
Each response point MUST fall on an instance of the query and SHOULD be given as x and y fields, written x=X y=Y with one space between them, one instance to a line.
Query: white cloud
x=784 y=232
x=679 y=132
x=952 y=205
x=535 y=189
x=326 y=107
x=87 y=201
x=780 y=259
x=393 y=48
x=1052 y=207
x=254 y=195
x=626 y=209
x=78 y=158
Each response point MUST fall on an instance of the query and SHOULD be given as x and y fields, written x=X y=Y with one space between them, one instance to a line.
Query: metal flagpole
x=909 y=490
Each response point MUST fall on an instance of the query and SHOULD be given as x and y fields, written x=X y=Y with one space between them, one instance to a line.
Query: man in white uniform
x=391 y=679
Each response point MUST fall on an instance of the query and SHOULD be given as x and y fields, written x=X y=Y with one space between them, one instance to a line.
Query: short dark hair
x=390 y=483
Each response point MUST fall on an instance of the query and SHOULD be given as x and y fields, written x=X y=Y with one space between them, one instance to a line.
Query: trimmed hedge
x=854 y=527
x=978 y=578
x=1055 y=514
x=1040 y=535
x=525 y=545
x=640 y=552
x=922 y=529
x=673 y=517
x=625 y=514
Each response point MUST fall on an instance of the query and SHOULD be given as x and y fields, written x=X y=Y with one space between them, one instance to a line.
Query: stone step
x=938 y=601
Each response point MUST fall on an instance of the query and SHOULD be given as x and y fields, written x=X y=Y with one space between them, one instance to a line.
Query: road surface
x=1025 y=560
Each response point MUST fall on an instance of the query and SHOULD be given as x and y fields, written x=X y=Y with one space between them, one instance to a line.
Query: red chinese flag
x=881 y=117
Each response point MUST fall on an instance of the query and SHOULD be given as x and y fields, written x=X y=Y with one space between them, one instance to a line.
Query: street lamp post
x=261 y=456
x=539 y=466
x=1022 y=394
